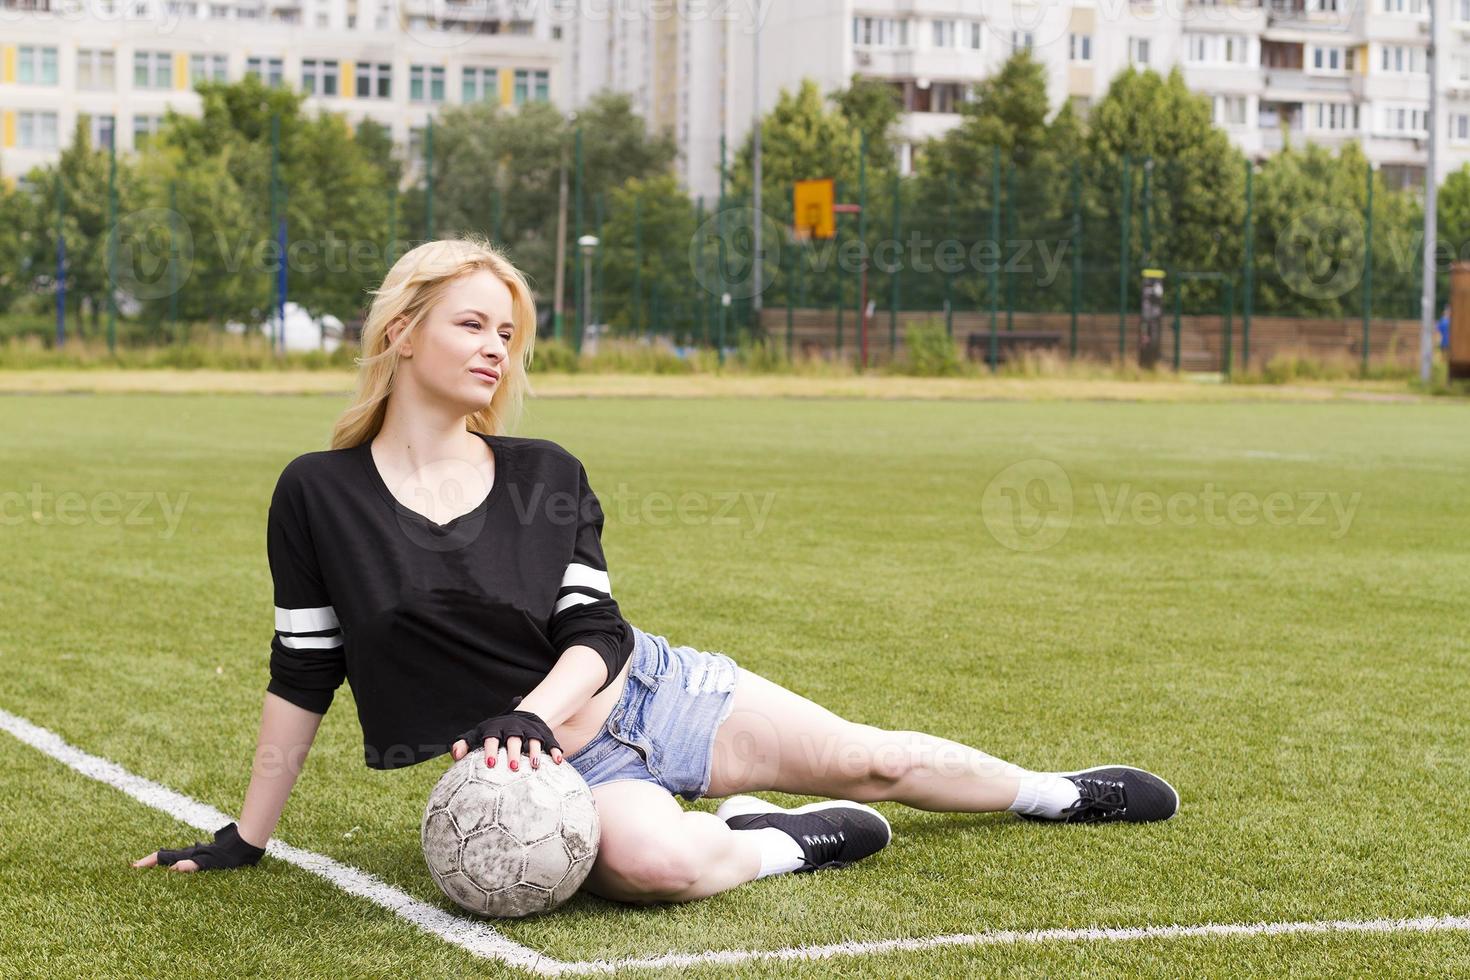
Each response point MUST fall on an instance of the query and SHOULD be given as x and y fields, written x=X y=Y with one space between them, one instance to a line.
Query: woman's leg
x=775 y=739
x=653 y=850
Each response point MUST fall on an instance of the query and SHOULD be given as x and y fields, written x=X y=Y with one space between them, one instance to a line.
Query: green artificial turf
x=1303 y=684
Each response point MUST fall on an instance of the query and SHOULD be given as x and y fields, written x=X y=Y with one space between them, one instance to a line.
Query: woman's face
x=461 y=352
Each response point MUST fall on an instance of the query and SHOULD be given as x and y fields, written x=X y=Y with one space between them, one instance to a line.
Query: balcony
x=1292 y=80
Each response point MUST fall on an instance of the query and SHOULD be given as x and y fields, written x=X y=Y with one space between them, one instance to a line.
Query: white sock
x=1044 y=795
x=780 y=852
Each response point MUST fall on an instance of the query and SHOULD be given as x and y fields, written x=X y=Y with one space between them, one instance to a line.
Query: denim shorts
x=662 y=730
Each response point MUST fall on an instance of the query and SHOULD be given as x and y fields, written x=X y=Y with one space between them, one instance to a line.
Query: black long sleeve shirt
x=434 y=627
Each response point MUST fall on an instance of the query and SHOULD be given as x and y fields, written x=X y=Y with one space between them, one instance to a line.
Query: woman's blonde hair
x=416 y=282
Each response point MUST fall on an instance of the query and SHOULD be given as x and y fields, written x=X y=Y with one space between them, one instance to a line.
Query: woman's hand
x=517 y=731
x=229 y=850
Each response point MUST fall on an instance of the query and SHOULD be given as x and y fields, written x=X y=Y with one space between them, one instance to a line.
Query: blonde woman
x=454 y=576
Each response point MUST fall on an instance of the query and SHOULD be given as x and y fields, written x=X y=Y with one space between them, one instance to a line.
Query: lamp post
x=588 y=244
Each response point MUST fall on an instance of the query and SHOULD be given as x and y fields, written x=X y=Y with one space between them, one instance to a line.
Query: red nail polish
x=490 y=761
x=513 y=765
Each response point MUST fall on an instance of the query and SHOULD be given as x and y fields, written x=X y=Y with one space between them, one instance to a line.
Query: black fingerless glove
x=526 y=724
x=227 y=851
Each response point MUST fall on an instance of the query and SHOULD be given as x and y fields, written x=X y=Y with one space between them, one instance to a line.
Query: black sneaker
x=1117 y=793
x=832 y=833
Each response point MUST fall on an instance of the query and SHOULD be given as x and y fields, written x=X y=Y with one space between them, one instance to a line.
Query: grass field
x=1297 y=670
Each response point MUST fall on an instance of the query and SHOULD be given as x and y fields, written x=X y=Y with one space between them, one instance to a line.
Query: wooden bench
x=1009 y=342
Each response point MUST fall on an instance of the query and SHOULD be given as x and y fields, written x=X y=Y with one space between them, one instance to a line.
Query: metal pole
x=637 y=264
x=1368 y=271
x=559 y=288
x=994 y=284
x=1427 y=315
x=758 y=273
x=112 y=247
x=863 y=244
x=949 y=273
x=837 y=241
x=699 y=271
x=893 y=280
x=1076 y=250
x=392 y=224
x=275 y=274
x=720 y=258
x=1250 y=267
x=1010 y=223
x=173 y=257
x=60 y=262
x=1123 y=260
x=578 y=229
x=429 y=181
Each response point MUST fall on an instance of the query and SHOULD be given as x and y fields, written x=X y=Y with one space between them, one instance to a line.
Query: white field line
x=473 y=935
x=480 y=939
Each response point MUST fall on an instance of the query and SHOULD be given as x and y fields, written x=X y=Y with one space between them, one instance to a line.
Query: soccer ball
x=509 y=843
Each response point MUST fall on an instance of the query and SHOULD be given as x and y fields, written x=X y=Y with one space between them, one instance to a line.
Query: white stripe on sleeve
x=585 y=576
x=309 y=620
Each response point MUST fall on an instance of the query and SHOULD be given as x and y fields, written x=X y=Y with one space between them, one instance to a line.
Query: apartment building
x=1274 y=70
x=120 y=64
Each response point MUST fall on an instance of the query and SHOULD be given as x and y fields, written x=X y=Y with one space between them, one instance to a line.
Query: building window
x=100 y=129
x=1405 y=120
x=1462 y=10
x=1079 y=47
x=1334 y=116
x=479 y=85
x=1403 y=6
x=375 y=80
x=532 y=86
x=96 y=70
x=269 y=70
x=973 y=35
x=1460 y=127
x=153 y=69
x=209 y=68
x=144 y=128
x=425 y=83
x=1022 y=40
x=1138 y=50
x=1230 y=110
x=415 y=143
x=944 y=34
x=35 y=65
x=1332 y=59
x=1402 y=59
x=880 y=32
x=319 y=77
x=36 y=130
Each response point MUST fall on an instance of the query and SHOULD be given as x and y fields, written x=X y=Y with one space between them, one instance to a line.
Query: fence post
x=173 y=257
x=1076 y=250
x=60 y=261
x=1368 y=272
x=837 y=243
x=893 y=280
x=112 y=246
x=638 y=264
x=1123 y=263
x=578 y=272
x=949 y=273
x=1010 y=223
x=429 y=181
x=1250 y=267
x=993 y=287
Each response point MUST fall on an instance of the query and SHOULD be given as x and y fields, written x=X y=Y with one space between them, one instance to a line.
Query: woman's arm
x=569 y=685
x=286 y=734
